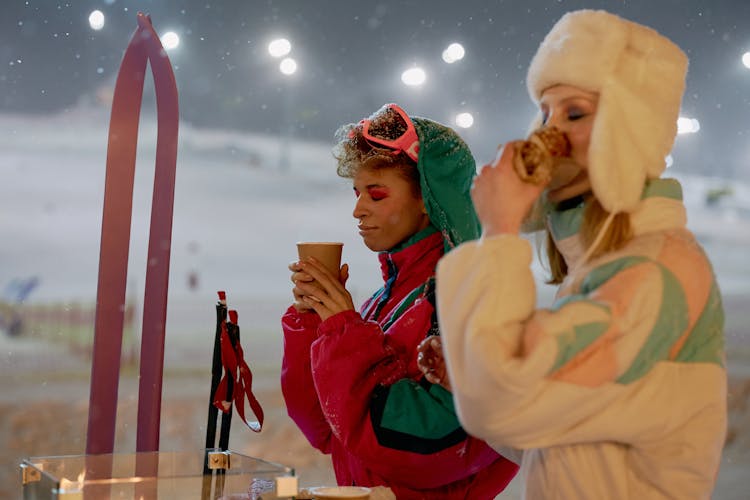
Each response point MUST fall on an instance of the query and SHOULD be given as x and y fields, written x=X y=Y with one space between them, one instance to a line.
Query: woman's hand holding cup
x=319 y=279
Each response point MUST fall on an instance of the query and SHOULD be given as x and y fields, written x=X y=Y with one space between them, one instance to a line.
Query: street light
x=687 y=125
x=454 y=52
x=464 y=120
x=170 y=40
x=414 y=77
x=288 y=66
x=279 y=47
x=96 y=20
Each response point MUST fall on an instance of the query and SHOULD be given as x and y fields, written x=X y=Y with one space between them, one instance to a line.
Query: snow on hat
x=640 y=77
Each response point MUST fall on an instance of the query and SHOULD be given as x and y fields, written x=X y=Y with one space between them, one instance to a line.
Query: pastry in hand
x=537 y=157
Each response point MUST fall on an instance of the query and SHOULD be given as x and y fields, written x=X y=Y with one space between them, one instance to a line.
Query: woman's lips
x=363 y=230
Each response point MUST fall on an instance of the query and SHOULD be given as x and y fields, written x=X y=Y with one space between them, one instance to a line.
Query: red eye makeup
x=377 y=193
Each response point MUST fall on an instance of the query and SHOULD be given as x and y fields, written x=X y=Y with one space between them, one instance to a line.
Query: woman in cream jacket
x=618 y=389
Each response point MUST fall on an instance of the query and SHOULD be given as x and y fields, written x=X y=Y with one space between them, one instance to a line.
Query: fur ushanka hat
x=640 y=77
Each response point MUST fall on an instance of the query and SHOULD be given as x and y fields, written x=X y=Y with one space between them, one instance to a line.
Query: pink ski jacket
x=352 y=385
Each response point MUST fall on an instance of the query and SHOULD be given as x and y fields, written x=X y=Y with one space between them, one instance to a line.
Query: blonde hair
x=616 y=234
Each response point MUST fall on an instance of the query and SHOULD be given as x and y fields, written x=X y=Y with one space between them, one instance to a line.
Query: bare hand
x=299 y=276
x=431 y=361
x=502 y=200
x=328 y=295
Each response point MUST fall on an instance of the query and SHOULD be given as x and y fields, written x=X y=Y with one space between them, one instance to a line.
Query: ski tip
x=144 y=20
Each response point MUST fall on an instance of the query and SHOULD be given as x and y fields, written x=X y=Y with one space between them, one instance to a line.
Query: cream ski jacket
x=616 y=391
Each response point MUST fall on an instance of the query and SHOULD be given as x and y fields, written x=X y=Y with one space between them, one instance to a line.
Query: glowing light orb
x=96 y=20
x=454 y=52
x=414 y=77
x=687 y=125
x=288 y=66
x=279 y=47
x=464 y=120
x=170 y=40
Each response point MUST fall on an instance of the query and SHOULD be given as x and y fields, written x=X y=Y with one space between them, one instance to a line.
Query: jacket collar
x=660 y=209
x=420 y=246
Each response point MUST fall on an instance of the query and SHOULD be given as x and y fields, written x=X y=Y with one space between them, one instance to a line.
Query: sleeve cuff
x=338 y=321
x=296 y=320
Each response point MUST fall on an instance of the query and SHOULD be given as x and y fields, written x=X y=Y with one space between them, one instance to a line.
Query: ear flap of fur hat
x=640 y=77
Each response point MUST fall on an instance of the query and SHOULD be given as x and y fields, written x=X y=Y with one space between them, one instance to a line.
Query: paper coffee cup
x=328 y=253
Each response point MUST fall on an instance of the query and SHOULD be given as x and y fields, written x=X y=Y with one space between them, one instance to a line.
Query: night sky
x=351 y=55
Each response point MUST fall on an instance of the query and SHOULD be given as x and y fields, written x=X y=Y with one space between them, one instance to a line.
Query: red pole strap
x=113 y=259
x=233 y=360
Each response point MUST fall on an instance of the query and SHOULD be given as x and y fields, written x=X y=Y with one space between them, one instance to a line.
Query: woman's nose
x=553 y=120
x=560 y=120
x=360 y=209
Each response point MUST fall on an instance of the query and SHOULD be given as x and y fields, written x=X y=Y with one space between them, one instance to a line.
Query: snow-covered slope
x=238 y=211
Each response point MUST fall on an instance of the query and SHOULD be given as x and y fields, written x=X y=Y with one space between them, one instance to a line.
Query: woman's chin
x=374 y=246
x=576 y=187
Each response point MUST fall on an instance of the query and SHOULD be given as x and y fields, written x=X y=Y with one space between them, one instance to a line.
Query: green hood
x=446 y=170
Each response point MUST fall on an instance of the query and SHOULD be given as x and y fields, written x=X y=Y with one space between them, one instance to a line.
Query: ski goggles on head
x=408 y=142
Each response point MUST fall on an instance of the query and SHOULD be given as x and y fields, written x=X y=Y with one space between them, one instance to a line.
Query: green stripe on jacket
x=704 y=343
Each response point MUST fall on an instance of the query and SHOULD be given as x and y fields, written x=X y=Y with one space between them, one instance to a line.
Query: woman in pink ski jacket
x=350 y=379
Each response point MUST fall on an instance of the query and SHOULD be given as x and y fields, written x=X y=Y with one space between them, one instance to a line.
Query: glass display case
x=204 y=474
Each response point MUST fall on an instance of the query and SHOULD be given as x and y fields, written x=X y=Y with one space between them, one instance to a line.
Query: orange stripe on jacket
x=597 y=363
x=689 y=265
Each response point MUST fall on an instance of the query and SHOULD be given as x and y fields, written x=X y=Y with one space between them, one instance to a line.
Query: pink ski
x=144 y=47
